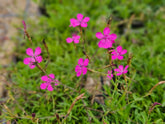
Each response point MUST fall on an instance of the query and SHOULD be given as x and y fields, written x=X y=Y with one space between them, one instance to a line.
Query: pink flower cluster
x=36 y=58
x=81 y=22
x=47 y=82
x=74 y=23
x=106 y=41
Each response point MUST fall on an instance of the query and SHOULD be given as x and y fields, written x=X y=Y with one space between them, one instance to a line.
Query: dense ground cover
x=140 y=28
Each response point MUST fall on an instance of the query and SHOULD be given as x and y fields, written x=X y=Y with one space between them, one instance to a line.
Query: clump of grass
x=147 y=68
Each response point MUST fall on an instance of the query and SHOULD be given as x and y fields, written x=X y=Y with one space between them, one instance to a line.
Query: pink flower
x=79 y=21
x=106 y=39
x=34 y=57
x=110 y=75
x=118 y=53
x=48 y=80
x=75 y=38
x=121 y=70
x=81 y=67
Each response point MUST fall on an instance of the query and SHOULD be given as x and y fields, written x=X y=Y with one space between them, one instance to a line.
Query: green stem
x=97 y=72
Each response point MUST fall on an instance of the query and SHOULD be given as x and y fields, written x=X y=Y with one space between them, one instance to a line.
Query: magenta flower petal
x=84 y=24
x=114 y=57
x=84 y=70
x=80 y=61
x=112 y=36
x=79 y=17
x=76 y=38
x=116 y=69
x=29 y=51
x=124 y=52
x=50 y=88
x=119 y=48
x=45 y=78
x=38 y=59
x=26 y=61
x=86 y=19
x=77 y=68
x=110 y=75
x=32 y=66
x=78 y=73
x=69 y=40
x=43 y=85
x=108 y=44
x=121 y=70
x=76 y=41
x=86 y=61
x=52 y=76
x=101 y=43
x=37 y=51
x=114 y=52
x=126 y=67
x=120 y=57
x=124 y=72
x=106 y=31
x=118 y=74
x=121 y=67
x=99 y=35
x=73 y=23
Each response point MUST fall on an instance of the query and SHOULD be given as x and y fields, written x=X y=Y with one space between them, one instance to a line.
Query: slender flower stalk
x=25 y=32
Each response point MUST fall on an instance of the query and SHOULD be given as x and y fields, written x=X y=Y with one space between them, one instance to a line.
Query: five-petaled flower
x=75 y=38
x=81 y=67
x=106 y=39
x=79 y=21
x=48 y=80
x=34 y=57
x=110 y=75
x=117 y=54
x=121 y=70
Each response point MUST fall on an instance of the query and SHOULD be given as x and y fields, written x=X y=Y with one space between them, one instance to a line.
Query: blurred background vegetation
x=140 y=27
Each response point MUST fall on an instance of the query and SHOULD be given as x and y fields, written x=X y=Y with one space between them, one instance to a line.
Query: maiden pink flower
x=79 y=21
x=75 y=38
x=117 y=54
x=48 y=80
x=106 y=39
x=34 y=57
x=81 y=67
x=110 y=75
x=121 y=70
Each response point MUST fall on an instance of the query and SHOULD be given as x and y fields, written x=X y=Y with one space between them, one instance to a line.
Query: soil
x=12 y=12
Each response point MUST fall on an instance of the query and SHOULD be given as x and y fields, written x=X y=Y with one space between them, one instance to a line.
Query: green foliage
x=145 y=43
